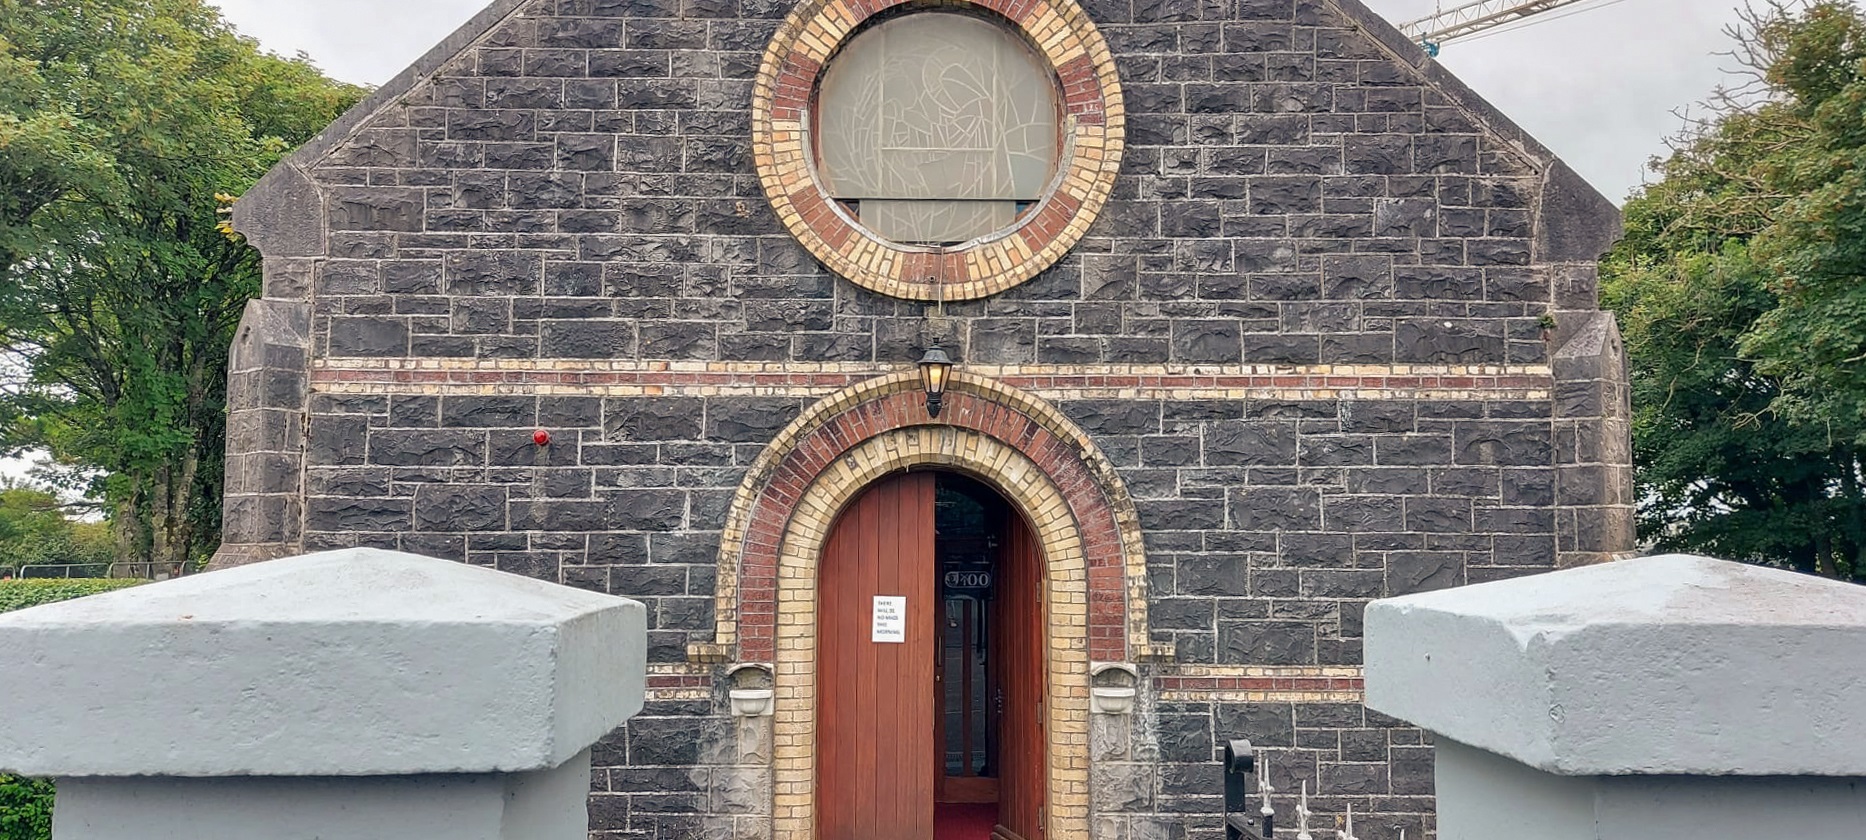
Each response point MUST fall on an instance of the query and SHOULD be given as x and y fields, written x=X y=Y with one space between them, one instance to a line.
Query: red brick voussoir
x=1059 y=459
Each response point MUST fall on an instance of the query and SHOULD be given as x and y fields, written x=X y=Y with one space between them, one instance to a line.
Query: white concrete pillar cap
x=1661 y=665
x=349 y=663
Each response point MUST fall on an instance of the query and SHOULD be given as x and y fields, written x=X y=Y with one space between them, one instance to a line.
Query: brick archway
x=1091 y=499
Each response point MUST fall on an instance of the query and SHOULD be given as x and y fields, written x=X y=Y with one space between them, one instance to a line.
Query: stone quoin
x=1294 y=322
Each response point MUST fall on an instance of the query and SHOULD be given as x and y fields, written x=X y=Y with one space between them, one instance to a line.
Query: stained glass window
x=937 y=128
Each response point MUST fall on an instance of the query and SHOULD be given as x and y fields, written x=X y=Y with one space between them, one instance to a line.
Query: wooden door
x=875 y=753
x=1021 y=676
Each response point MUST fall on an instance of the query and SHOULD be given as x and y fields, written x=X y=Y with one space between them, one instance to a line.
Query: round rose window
x=936 y=129
x=944 y=152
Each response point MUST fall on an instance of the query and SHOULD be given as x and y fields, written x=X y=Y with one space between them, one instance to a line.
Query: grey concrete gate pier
x=1660 y=698
x=353 y=695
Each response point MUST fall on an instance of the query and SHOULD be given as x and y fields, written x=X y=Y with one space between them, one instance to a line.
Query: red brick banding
x=1214 y=684
x=1046 y=465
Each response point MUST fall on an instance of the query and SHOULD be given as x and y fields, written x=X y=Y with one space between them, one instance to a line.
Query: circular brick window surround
x=1092 y=122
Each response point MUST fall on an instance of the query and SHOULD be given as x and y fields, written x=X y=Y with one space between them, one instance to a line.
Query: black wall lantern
x=935 y=370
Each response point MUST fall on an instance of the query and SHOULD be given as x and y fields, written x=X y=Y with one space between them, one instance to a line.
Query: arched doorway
x=932 y=667
x=796 y=800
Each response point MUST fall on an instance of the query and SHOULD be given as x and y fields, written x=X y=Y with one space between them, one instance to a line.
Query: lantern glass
x=935 y=371
x=935 y=376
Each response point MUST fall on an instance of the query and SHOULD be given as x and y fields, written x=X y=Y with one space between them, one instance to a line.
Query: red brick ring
x=1096 y=119
x=1087 y=489
x=1057 y=457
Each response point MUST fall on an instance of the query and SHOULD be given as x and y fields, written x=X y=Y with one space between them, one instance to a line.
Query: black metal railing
x=1246 y=771
x=1240 y=822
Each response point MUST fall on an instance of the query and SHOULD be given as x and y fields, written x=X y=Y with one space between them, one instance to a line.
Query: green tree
x=1739 y=290
x=1815 y=248
x=121 y=121
x=36 y=530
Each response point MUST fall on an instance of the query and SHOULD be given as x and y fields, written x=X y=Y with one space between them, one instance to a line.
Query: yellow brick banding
x=805 y=370
x=980 y=369
x=1346 y=696
x=1258 y=695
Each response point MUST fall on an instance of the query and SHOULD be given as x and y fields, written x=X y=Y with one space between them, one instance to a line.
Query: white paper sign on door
x=890 y=619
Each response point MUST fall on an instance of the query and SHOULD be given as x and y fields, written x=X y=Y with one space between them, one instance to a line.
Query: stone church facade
x=1298 y=322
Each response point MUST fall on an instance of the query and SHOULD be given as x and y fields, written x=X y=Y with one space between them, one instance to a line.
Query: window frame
x=783 y=152
x=1063 y=135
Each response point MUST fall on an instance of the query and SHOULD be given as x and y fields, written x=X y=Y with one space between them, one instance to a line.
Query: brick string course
x=831 y=381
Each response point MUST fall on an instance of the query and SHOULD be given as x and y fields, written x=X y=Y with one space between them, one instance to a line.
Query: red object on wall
x=541 y=437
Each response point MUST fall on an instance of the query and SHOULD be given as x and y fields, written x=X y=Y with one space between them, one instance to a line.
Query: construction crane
x=1446 y=25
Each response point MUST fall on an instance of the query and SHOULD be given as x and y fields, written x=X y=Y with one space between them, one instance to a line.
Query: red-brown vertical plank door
x=875 y=711
x=1025 y=681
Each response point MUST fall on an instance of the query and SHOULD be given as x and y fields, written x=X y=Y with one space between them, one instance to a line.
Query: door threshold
x=954 y=821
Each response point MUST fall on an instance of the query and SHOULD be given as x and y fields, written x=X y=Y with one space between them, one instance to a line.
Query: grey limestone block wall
x=570 y=180
x=683 y=769
x=1154 y=776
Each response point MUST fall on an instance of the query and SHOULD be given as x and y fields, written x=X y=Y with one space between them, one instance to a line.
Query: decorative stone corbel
x=752 y=694
x=1112 y=688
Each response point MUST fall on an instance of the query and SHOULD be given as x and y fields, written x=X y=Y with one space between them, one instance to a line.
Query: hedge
x=25 y=808
x=20 y=594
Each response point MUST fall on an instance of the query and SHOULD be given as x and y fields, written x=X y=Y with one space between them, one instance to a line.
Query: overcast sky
x=1599 y=83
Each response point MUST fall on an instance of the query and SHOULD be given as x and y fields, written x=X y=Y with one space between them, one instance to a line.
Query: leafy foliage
x=1814 y=340
x=20 y=594
x=1739 y=287
x=34 y=530
x=120 y=123
x=25 y=808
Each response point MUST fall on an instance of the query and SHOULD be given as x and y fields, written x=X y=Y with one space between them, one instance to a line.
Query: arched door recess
x=932 y=673
x=1063 y=718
